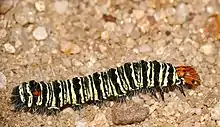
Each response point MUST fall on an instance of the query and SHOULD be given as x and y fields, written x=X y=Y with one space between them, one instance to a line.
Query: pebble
x=170 y=11
x=69 y=48
x=3 y=33
x=208 y=49
x=159 y=15
x=5 y=6
x=138 y=14
x=40 y=5
x=182 y=11
x=25 y=15
x=66 y=62
x=168 y=110
x=105 y=35
x=61 y=6
x=110 y=26
x=46 y=59
x=9 y=48
x=138 y=100
x=40 y=33
x=145 y=48
x=99 y=121
x=128 y=28
x=128 y=113
x=2 y=81
x=215 y=114
x=130 y=43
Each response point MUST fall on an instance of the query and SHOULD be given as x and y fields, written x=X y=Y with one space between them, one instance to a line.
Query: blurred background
x=60 y=39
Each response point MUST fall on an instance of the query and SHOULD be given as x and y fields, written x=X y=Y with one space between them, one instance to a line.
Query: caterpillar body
x=115 y=83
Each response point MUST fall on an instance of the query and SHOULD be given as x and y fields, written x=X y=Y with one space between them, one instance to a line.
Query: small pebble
x=110 y=26
x=182 y=11
x=138 y=100
x=3 y=33
x=105 y=35
x=212 y=26
x=215 y=114
x=25 y=15
x=40 y=5
x=99 y=121
x=5 y=6
x=61 y=6
x=46 y=58
x=69 y=48
x=2 y=81
x=66 y=62
x=168 y=110
x=159 y=15
x=9 y=48
x=40 y=33
x=128 y=28
x=138 y=14
x=145 y=48
x=208 y=49
x=102 y=48
x=130 y=43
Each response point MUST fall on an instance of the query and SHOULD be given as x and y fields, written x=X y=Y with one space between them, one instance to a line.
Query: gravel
x=60 y=39
x=40 y=33
x=3 y=81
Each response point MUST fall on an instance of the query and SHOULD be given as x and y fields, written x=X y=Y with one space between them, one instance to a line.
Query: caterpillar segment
x=115 y=83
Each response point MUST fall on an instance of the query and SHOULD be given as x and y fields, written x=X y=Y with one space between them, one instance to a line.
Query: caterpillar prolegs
x=115 y=83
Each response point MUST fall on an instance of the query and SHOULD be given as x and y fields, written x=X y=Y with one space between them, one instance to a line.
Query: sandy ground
x=48 y=40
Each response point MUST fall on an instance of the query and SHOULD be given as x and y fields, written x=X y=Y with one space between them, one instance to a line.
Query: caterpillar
x=115 y=83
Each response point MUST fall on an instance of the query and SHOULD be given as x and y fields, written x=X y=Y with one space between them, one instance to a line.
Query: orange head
x=189 y=75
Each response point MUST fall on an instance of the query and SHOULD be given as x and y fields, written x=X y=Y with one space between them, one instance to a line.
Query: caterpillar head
x=190 y=76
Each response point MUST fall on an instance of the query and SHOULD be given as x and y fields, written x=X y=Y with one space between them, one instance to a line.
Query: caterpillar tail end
x=190 y=76
x=16 y=100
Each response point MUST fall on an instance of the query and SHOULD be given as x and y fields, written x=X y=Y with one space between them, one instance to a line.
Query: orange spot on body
x=190 y=76
x=36 y=93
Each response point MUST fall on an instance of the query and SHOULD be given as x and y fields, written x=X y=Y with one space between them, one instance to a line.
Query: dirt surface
x=49 y=39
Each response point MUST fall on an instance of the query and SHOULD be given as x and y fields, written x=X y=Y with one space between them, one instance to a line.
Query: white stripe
x=161 y=75
x=81 y=91
x=113 y=87
x=152 y=78
x=141 y=76
x=30 y=97
x=90 y=89
x=68 y=92
x=119 y=82
x=21 y=93
x=110 y=92
x=133 y=76
x=48 y=94
x=102 y=86
x=53 y=96
x=95 y=91
x=64 y=93
x=126 y=78
x=166 y=76
x=72 y=93
x=148 y=74
x=60 y=94
x=85 y=90
x=175 y=77
x=40 y=98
